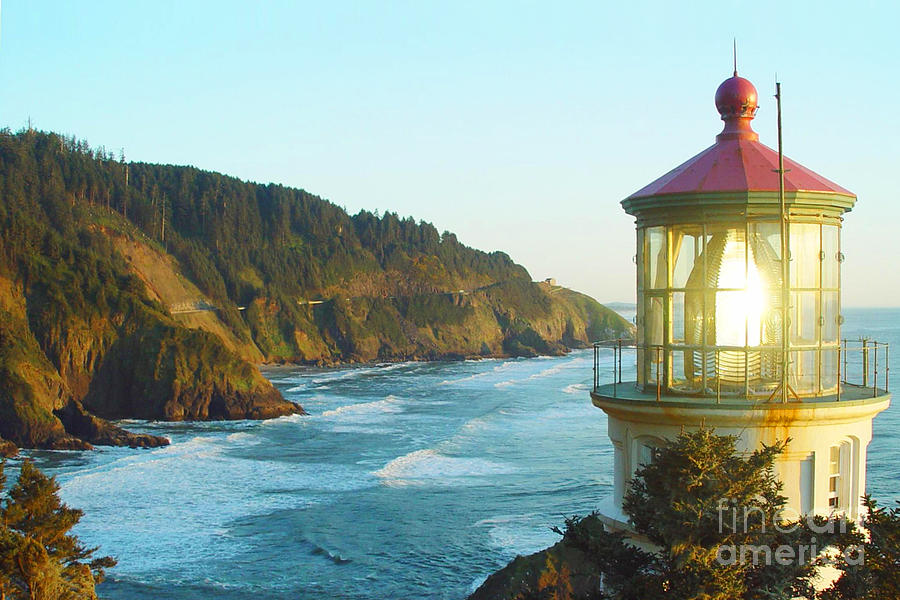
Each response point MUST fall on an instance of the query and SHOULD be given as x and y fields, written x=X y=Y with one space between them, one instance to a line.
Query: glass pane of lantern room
x=639 y=336
x=804 y=371
x=830 y=317
x=766 y=271
x=725 y=258
x=765 y=239
x=677 y=317
x=829 y=371
x=686 y=248
x=653 y=321
x=653 y=337
x=731 y=319
x=656 y=248
x=805 y=261
x=639 y=261
x=765 y=246
x=831 y=260
x=686 y=377
x=804 y=318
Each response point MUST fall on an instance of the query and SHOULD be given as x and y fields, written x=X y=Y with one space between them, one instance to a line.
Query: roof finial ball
x=737 y=102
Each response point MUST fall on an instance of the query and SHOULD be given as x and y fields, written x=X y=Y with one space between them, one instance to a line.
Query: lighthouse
x=739 y=320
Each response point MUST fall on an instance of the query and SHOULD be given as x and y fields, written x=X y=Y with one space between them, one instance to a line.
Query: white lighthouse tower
x=739 y=320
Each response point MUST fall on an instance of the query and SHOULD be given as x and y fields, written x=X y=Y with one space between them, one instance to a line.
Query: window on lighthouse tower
x=838 y=471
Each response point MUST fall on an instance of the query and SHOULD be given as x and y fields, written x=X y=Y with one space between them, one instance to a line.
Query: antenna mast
x=734 y=54
x=785 y=261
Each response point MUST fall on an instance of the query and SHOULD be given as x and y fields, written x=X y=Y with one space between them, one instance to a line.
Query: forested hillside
x=141 y=290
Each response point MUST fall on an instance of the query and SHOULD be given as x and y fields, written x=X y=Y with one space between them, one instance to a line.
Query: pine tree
x=39 y=558
x=676 y=504
x=873 y=574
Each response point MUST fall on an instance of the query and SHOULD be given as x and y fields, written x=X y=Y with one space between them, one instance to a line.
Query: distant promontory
x=132 y=290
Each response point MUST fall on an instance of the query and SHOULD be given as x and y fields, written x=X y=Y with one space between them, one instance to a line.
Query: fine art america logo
x=748 y=522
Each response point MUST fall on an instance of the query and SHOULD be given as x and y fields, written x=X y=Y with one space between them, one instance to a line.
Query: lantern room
x=738 y=317
x=719 y=309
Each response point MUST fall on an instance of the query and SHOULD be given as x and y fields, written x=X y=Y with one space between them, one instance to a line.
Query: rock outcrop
x=562 y=571
x=175 y=374
x=94 y=430
x=7 y=448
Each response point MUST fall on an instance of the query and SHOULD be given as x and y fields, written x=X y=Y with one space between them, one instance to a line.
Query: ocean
x=406 y=481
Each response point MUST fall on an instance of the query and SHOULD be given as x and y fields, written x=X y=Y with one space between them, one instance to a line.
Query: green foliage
x=241 y=243
x=520 y=299
x=219 y=227
x=876 y=576
x=429 y=310
x=676 y=504
x=602 y=322
x=39 y=558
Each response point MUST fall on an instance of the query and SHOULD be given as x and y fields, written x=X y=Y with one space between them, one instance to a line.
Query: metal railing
x=863 y=364
x=618 y=346
x=861 y=361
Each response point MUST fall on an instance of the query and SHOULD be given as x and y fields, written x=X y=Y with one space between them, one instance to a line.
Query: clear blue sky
x=519 y=126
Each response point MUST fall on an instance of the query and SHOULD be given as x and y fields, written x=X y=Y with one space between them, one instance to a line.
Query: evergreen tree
x=875 y=573
x=39 y=558
x=708 y=517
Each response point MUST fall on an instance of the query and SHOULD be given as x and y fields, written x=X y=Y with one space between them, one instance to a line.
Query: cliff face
x=514 y=318
x=150 y=291
x=175 y=374
x=59 y=372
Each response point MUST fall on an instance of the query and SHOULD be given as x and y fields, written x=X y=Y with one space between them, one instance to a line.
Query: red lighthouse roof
x=737 y=161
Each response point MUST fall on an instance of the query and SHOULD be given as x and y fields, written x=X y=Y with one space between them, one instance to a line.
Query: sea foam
x=431 y=467
x=390 y=404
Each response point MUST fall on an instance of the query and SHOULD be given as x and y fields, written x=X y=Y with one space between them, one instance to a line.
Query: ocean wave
x=476 y=583
x=334 y=557
x=176 y=497
x=243 y=436
x=196 y=447
x=547 y=372
x=476 y=424
x=362 y=429
x=346 y=373
x=431 y=466
x=576 y=388
x=505 y=519
x=283 y=420
x=399 y=365
x=390 y=404
x=498 y=369
x=343 y=373
x=513 y=539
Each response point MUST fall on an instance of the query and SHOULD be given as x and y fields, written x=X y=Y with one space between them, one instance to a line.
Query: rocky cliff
x=152 y=291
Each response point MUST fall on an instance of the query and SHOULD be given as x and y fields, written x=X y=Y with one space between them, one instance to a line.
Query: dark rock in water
x=95 y=430
x=7 y=448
